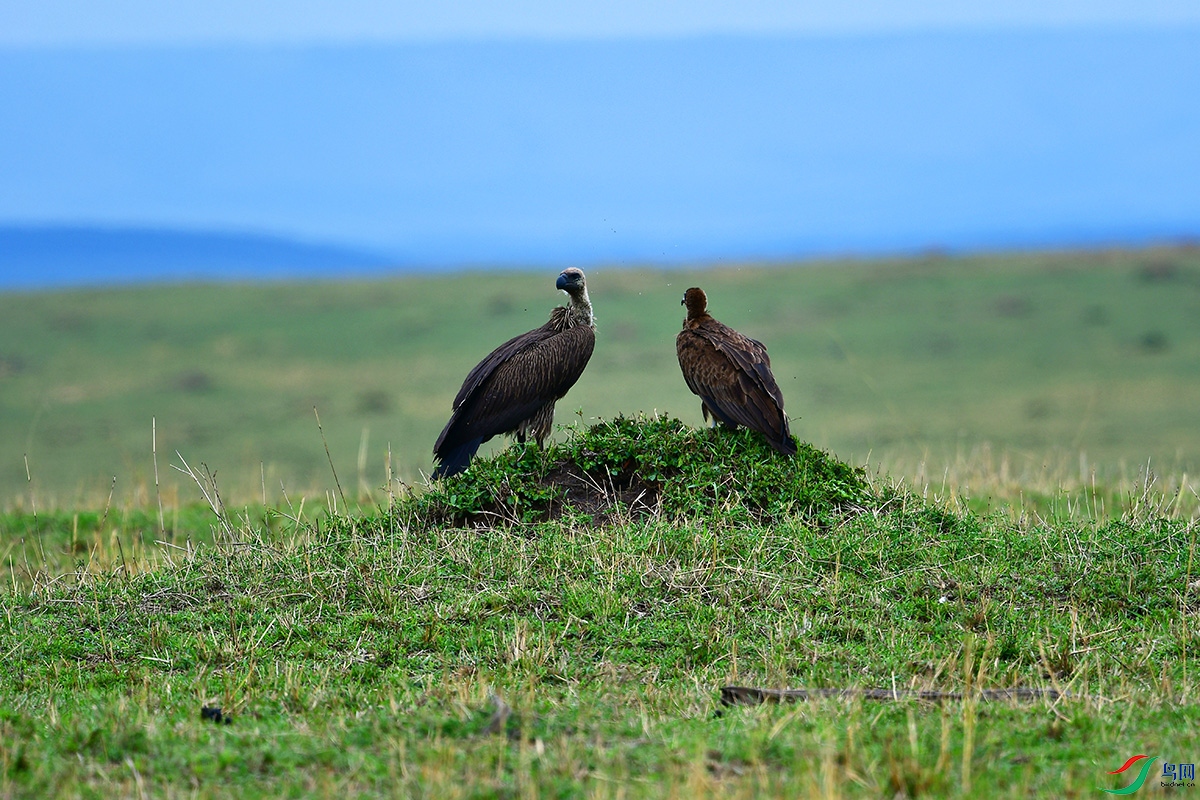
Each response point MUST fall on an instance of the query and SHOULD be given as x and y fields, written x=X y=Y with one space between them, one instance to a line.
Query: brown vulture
x=731 y=374
x=513 y=390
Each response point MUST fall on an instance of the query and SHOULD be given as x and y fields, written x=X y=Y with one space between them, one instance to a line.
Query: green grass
x=368 y=654
x=559 y=623
x=1044 y=367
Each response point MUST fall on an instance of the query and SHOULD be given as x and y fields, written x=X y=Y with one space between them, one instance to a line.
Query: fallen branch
x=750 y=696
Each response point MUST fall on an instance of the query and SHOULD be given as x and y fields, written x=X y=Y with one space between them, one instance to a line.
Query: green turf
x=387 y=653
x=1077 y=361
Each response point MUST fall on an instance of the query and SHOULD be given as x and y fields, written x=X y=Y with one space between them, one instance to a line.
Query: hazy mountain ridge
x=52 y=255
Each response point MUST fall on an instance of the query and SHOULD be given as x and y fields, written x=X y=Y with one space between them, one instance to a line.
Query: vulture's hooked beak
x=564 y=282
x=683 y=300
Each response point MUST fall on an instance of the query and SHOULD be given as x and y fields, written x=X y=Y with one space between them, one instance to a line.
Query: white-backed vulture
x=731 y=374
x=514 y=389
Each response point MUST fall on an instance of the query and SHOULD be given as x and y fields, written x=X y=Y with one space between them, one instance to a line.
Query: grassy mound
x=639 y=467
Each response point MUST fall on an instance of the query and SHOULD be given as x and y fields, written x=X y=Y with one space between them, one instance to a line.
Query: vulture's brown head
x=571 y=281
x=696 y=302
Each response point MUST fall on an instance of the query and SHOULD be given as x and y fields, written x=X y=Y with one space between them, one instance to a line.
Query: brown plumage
x=731 y=374
x=514 y=389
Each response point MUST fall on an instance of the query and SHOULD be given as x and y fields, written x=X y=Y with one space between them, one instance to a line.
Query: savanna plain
x=214 y=498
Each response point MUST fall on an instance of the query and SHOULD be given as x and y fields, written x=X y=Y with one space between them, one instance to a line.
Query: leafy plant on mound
x=642 y=466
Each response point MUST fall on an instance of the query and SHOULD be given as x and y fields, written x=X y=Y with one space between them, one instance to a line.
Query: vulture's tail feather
x=786 y=445
x=456 y=459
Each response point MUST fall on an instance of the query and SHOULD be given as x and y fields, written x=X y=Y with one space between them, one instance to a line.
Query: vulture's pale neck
x=580 y=308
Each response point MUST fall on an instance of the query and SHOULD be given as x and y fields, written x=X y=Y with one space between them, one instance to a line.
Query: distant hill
x=38 y=256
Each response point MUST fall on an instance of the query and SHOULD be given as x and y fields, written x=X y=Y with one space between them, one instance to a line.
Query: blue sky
x=449 y=133
x=72 y=22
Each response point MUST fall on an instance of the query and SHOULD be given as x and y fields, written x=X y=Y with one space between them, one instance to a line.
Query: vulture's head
x=571 y=281
x=696 y=302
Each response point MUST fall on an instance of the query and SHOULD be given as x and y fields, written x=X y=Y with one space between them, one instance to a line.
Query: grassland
x=504 y=635
x=396 y=653
x=1018 y=366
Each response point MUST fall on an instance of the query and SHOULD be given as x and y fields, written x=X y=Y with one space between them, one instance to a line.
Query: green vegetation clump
x=640 y=467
